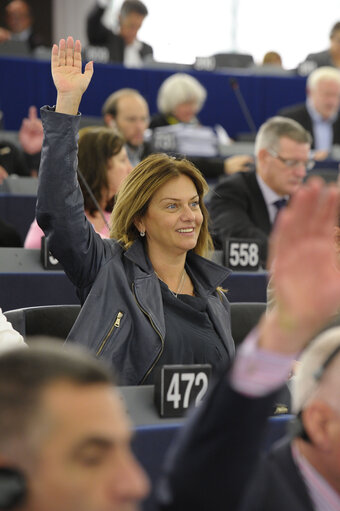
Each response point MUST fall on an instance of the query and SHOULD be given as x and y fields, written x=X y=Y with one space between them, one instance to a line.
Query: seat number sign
x=180 y=386
x=242 y=255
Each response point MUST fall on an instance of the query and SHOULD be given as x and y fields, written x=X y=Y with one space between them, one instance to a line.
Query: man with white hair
x=320 y=114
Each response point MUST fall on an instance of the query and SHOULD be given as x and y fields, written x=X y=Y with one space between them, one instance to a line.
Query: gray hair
x=306 y=387
x=322 y=74
x=270 y=133
x=180 y=88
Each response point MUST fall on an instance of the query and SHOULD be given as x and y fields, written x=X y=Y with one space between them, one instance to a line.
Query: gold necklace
x=180 y=285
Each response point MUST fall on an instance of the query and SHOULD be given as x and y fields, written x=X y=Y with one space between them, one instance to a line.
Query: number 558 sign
x=179 y=386
x=242 y=254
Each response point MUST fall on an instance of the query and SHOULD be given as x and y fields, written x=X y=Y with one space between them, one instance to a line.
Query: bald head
x=127 y=111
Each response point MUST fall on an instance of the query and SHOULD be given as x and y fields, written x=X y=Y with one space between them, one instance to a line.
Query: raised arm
x=217 y=451
x=67 y=75
x=60 y=205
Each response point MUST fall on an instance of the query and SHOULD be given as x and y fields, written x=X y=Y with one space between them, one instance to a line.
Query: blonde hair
x=140 y=186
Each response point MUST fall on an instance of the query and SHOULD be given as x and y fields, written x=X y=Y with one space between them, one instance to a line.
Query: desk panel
x=24 y=283
x=264 y=95
x=18 y=210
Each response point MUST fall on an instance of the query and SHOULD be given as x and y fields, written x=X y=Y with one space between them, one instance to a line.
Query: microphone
x=95 y=202
x=245 y=110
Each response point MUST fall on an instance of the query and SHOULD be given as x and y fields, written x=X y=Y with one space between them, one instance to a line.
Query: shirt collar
x=268 y=194
x=322 y=494
x=315 y=116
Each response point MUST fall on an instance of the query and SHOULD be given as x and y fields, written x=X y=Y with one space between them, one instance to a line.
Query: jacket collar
x=207 y=274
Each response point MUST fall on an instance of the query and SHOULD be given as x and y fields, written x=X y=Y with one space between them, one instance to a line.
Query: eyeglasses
x=309 y=164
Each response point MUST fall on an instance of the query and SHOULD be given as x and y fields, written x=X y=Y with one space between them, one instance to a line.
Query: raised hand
x=305 y=271
x=31 y=132
x=67 y=75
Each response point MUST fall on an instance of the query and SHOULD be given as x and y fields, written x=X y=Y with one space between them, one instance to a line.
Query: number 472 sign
x=179 y=386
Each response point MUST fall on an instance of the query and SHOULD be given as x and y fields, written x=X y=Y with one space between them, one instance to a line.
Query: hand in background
x=3 y=174
x=305 y=274
x=67 y=75
x=31 y=132
x=238 y=163
x=5 y=35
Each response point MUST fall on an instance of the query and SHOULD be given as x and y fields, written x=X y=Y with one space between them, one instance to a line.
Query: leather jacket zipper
x=157 y=332
x=116 y=324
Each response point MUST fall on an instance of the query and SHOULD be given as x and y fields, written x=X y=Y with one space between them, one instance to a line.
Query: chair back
x=244 y=316
x=49 y=320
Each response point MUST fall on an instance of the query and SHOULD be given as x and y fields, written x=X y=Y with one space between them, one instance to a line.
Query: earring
x=142 y=234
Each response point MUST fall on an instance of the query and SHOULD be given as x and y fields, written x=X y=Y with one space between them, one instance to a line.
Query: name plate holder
x=242 y=254
x=177 y=387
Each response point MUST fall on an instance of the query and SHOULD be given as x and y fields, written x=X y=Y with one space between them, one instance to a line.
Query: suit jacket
x=300 y=114
x=9 y=237
x=99 y=35
x=216 y=462
x=238 y=210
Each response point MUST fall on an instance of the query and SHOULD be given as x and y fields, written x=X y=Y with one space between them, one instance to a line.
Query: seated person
x=19 y=24
x=124 y=47
x=245 y=204
x=149 y=296
x=320 y=114
x=329 y=57
x=128 y=112
x=217 y=461
x=103 y=162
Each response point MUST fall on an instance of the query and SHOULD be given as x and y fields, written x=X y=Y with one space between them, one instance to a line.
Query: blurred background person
x=272 y=58
x=319 y=115
x=19 y=25
x=180 y=98
x=103 y=162
x=329 y=57
x=124 y=46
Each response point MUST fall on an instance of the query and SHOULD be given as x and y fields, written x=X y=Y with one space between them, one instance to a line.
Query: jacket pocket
x=115 y=326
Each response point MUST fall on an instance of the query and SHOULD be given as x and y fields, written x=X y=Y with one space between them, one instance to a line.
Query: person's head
x=128 y=112
x=163 y=198
x=63 y=427
x=182 y=96
x=334 y=37
x=282 y=149
x=18 y=16
x=316 y=400
x=131 y=17
x=323 y=90
x=272 y=58
x=103 y=161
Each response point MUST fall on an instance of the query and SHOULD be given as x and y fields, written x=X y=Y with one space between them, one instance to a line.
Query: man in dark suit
x=124 y=47
x=217 y=462
x=320 y=114
x=245 y=204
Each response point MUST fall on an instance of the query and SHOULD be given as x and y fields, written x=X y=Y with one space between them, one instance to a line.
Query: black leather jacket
x=122 y=318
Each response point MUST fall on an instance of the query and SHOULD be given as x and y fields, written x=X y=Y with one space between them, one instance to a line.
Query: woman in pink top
x=103 y=161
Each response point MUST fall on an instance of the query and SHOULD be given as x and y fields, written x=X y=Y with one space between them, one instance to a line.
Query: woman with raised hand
x=148 y=296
